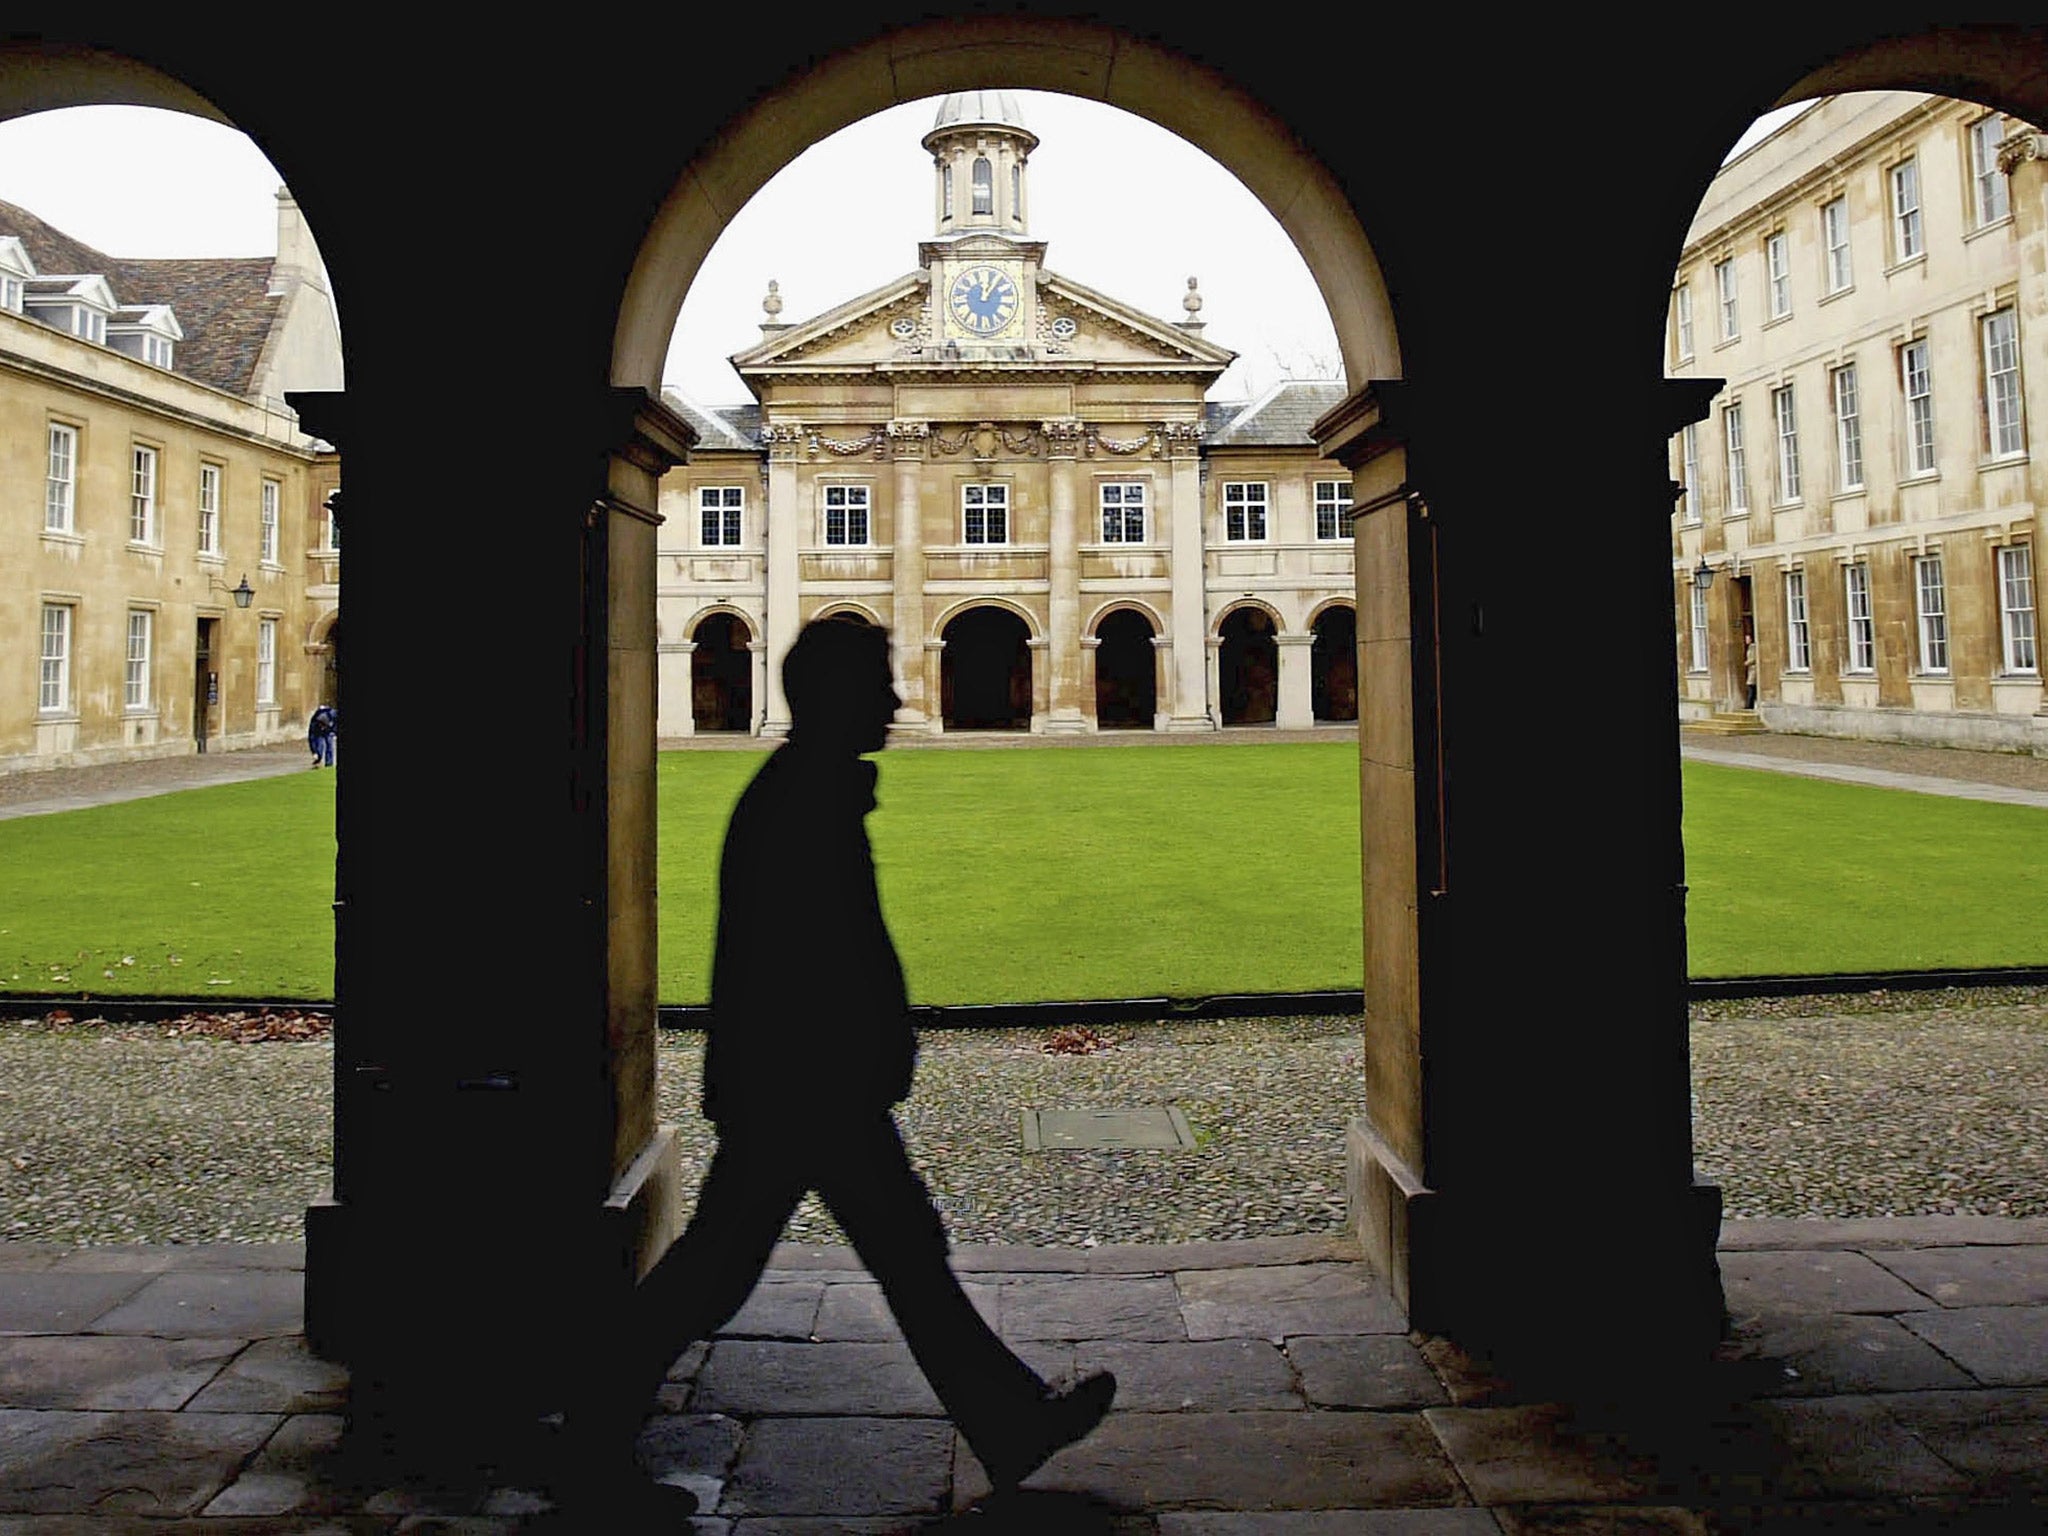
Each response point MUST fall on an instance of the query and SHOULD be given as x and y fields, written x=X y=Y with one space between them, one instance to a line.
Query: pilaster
x=780 y=608
x=1064 y=712
x=1194 y=669
x=1295 y=709
x=907 y=444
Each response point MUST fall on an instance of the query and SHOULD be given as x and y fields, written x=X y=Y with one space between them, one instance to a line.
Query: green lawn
x=1181 y=870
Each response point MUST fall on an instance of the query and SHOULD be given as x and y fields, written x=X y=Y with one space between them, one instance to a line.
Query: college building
x=169 y=564
x=1022 y=479
x=1853 y=541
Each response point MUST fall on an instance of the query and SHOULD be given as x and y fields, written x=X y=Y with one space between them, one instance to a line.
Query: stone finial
x=771 y=306
x=1191 y=301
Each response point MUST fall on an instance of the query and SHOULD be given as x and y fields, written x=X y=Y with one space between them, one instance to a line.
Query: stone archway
x=721 y=674
x=1248 y=668
x=1126 y=672
x=985 y=671
x=1333 y=676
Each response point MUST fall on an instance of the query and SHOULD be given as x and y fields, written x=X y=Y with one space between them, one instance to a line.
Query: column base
x=1585 y=1288
x=1065 y=722
x=1187 y=723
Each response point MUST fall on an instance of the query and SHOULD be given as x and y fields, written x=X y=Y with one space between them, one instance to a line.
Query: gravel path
x=1869 y=1106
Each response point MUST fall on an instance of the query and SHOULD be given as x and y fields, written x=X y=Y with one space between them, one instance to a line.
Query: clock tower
x=982 y=261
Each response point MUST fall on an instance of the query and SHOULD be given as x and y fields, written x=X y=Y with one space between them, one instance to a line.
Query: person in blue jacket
x=321 y=730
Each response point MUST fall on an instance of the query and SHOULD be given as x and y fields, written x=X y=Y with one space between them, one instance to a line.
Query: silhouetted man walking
x=810 y=1047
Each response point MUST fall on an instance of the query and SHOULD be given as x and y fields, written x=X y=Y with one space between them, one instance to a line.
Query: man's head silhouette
x=840 y=691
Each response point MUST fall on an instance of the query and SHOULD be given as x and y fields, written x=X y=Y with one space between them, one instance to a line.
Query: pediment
x=1074 y=328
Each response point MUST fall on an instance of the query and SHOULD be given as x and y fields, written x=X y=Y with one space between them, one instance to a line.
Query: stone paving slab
x=158 y=1258
x=275 y=1376
x=841 y=1466
x=2000 y=1346
x=1331 y=1522
x=778 y=1309
x=858 y=1312
x=1245 y=1461
x=1377 y=1371
x=1220 y=1375
x=752 y=1377
x=1145 y=1307
x=243 y=1304
x=40 y=1301
x=1974 y=1277
x=1817 y=1282
x=69 y=1371
x=1278 y=1300
x=1785 y=1234
x=63 y=1462
x=1999 y=1439
x=1844 y=1353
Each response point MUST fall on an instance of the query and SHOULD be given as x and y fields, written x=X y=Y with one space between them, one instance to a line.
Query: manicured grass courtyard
x=1018 y=875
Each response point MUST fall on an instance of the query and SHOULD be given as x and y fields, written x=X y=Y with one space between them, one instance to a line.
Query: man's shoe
x=1061 y=1416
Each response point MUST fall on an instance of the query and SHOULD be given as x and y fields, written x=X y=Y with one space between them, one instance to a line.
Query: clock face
x=983 y=300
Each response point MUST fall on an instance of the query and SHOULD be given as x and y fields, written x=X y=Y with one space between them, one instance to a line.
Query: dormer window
x=14 y=266
x=88 y=323
x=984 y=186
x=78 y=306
x=145 y=331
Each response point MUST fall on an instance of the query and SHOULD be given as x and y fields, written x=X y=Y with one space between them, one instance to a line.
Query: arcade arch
x=1126 y=656
x=985 y=670
x=722 y=672
x=1334 y=663
x=1248 y=665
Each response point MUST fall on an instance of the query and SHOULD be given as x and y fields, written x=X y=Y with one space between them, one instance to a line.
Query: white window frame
x=1332 y=501
x=142 y=482
x=136 y=694
x=209 y=508
x=1689 y=470
x=1737 y=455
x=853 y=506
x=1848 y=428
x=156 y=349
x=53 y=684
x=1246 y=505
x=1729 y=299
x=10 y=292
x=266 y=663
x=1115 y=502
x=1930 y=609
x=1839 y=272
x=271 y=497
x=1909 y=235
x=1990 y=196
x=985 y=513
x=1699 y=627
x=2017 y=610
x=1916 y=382
x=1785 y=416
x=88 y=323
x=60 y=484
x=1778 y=267
x=1798 y=638
x=2004 y=411
x=982 y=181
x=1681 y=312
x=721 y=515
x=1862 y=630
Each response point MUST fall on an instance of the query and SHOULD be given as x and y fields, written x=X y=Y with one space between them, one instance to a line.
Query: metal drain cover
x=1085 y=1130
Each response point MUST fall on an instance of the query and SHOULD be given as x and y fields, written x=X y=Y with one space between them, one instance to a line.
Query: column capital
x=1063 y=437
x=907 y=439
x=784 y=439
x=1182 y=439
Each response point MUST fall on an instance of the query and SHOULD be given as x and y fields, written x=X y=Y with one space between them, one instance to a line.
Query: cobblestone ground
x=1871 y=1106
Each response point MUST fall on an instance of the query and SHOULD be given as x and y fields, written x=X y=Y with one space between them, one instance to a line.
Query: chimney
x=298 y=258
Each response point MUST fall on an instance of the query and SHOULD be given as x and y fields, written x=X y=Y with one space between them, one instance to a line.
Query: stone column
x=1038 y=648
x=779 y=603
x=1162 y=682
x=934 y=685
x=1187 y=702
x=1089 y=646
x=907 y=440
x=1212 y=667
x=757 y=662
x=1295 y=659
x=1064 y=713
x=677 y=702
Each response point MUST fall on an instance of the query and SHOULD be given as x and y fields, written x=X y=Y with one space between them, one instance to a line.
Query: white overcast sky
x=1124 y=206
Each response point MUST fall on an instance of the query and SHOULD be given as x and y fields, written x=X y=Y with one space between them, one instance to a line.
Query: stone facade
x=1019 y=477
x=1871 y=282
x=151 y=473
